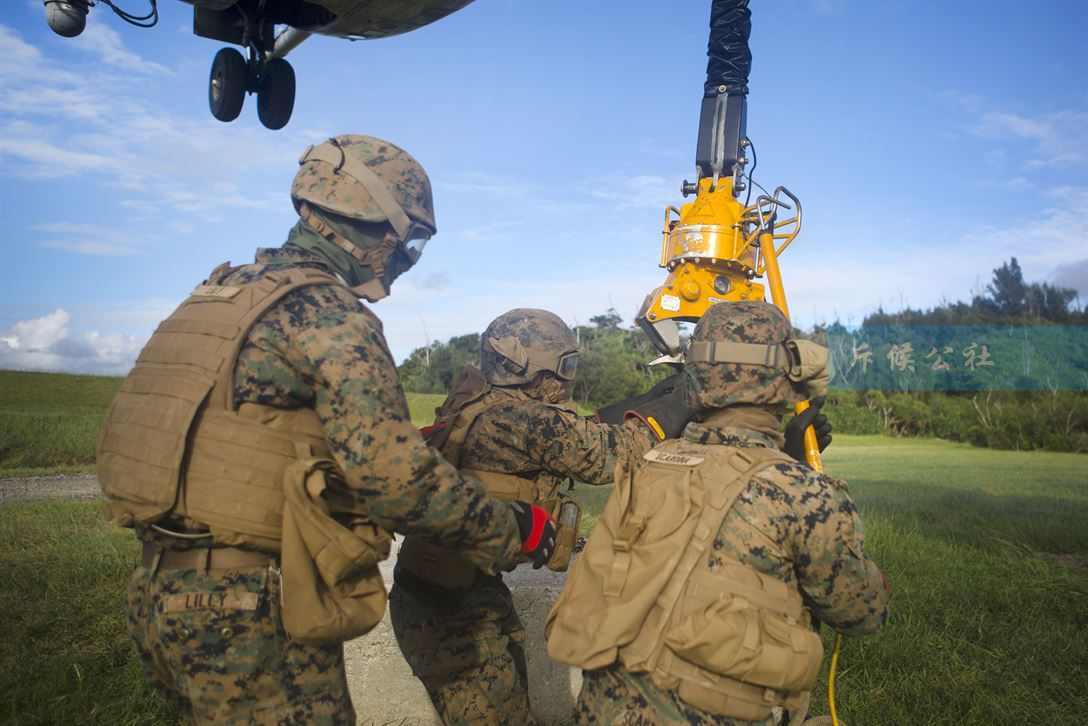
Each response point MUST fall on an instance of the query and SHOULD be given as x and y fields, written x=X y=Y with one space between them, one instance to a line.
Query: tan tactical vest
x=734 y=641
x=468 y=401
x=175 y=444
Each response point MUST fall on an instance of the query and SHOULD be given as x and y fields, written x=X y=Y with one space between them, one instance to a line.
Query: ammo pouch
x=567 y=515
x=332 y=589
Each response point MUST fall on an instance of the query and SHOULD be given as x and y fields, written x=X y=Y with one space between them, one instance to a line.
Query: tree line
x=614 y=362
x=615 y=357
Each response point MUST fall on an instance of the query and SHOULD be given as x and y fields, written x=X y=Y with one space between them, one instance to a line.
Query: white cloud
x=104 y=42
x=640 y=191
x=99 y=124
x=39 y=334
x=1058 y=138
x=87 y=239
x=46 y=343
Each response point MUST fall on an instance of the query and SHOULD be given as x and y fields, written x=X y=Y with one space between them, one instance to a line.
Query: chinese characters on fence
x=900 y=357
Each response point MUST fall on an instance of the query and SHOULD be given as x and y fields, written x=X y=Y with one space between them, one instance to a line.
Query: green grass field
x=49 y=423
x=987 y=552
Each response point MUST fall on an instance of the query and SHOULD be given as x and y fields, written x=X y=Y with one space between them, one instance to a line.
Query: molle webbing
x=643 y=585
x=173 y=426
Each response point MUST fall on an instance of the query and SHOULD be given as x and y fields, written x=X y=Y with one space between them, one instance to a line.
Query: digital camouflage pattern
x=613 y=697
x=521 y=343
x=317 y=348
x=214 y=643
x=725 y=384
x=322 y=185
x=466 y=646
x=790 y=522
x=321 y=348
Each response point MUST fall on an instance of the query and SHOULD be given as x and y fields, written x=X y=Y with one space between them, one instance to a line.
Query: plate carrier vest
x=470 y=399
x=734 y=641
x=175 y=444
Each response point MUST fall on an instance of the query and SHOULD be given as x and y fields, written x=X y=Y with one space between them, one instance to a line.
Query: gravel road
x=48 y=487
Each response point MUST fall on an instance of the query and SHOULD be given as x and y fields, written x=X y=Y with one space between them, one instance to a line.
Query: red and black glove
x=537 y=532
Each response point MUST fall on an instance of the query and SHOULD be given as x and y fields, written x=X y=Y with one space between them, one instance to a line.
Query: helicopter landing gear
x=232 y=77
x=227 y=84
x=276 y=93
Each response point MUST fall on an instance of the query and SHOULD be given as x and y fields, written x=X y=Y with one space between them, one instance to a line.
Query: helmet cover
x=337 y=175
x=523 y=342
x=721 y=384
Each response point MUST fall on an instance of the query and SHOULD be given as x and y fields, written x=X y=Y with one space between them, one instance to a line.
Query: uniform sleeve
x=521 y=433
x=407 y=486
x=845 y=588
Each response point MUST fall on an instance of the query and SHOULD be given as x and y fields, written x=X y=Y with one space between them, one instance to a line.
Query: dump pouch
x=332 y=589
x=733 y=638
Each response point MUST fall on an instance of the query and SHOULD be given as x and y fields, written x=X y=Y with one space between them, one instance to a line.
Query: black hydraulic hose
x=724 y=108
x=729 y=58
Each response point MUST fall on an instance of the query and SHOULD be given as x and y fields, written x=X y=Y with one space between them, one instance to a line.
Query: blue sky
x=928 y=141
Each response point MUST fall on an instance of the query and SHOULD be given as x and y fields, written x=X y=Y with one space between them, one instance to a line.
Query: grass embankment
x=49 y=422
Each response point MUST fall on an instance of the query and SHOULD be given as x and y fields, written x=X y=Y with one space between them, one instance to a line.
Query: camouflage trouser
x=213 y=642
x=467 y=648
x=613 y=697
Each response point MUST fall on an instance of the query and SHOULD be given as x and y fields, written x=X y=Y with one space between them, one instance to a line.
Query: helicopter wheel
x=227 y=84
x=276 y=94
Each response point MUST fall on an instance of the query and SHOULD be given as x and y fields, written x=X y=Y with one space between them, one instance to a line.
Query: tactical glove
x=614 y=413
x=669 y=411
x=537 y=532
x=795 y=430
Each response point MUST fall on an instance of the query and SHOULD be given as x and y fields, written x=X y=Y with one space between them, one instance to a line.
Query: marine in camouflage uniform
x=206 y=617
x=456 y=625
x=792 y=528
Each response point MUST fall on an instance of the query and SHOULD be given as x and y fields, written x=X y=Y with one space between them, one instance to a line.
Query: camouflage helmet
x=740 y=354
x=367 y=179
x=523 y=342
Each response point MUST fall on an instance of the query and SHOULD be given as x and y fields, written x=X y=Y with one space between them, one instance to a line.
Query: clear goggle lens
x=568 y=366
x=414 y=248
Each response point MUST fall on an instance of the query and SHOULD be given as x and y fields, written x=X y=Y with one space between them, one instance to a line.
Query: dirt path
x=48 y=487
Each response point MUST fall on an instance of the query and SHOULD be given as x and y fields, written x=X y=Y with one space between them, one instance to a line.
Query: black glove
x=537 y=532
x=669 y=411
x=614 y=413
x=795 y=430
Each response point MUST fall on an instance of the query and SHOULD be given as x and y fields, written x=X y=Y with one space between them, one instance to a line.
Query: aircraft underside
x=251 y=24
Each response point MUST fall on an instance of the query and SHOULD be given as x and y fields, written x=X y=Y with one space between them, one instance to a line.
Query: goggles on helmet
x=567 y=367
x=414 y=246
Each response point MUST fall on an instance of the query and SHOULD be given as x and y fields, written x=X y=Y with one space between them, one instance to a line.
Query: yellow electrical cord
x=831 y=679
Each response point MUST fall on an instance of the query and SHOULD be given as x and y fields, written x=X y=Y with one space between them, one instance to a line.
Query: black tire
x=227 y=84
x=276 y=96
